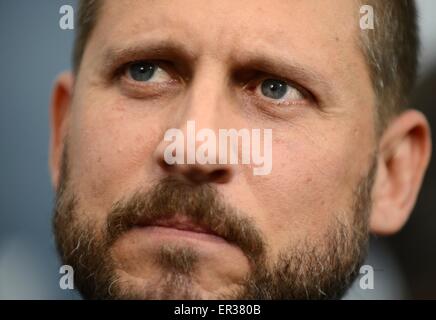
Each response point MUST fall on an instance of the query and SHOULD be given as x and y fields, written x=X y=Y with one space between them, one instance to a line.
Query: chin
x=167 y=286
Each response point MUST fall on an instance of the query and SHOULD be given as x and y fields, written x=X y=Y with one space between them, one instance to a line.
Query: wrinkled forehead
x=224 y=27
x=322 y=36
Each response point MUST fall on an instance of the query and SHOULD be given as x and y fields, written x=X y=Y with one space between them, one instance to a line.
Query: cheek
x=110 y=151
x=312 y=182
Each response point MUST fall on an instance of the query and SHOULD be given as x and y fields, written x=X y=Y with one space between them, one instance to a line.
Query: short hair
x=87 y=15
x=391 y=50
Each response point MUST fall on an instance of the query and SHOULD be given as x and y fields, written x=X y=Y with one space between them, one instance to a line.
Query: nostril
x=220 y=176
x=196 y=173
x=165 y=165
x=197 y=176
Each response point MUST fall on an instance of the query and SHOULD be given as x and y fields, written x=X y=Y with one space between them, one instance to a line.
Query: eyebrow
x=278 y=63
x=264 y=58
x=151 y=49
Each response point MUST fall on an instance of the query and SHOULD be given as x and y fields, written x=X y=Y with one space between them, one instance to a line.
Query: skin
x=322 y=147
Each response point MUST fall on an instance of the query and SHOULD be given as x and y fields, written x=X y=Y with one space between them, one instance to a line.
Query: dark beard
x=322 y=269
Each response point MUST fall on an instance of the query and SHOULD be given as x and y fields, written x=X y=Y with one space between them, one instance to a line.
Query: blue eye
x=274 y=88
x=147 y=72
x=142 y=71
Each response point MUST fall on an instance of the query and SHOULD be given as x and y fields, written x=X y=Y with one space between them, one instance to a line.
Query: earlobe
x=59 y=112
x=404 y=154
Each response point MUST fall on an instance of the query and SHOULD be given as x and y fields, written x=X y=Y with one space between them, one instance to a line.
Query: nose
x=206 y=107
x=200 y=174
x=189 y=167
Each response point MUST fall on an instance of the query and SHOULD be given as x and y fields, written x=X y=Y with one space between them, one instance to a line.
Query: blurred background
x=34 y=49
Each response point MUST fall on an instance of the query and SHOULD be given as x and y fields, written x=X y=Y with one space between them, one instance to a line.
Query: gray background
x=33 y=51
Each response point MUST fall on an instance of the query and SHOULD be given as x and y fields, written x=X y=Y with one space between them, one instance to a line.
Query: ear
x=59 y=112
x=404 y=154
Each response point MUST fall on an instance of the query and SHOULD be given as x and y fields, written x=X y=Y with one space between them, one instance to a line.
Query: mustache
x=202 y=204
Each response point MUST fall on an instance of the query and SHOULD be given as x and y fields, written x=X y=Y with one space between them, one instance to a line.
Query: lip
x=180 y=226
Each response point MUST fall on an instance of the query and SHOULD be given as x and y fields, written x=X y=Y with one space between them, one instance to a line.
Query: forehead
x=231 y=15
x=222 y=26
x=320 y=35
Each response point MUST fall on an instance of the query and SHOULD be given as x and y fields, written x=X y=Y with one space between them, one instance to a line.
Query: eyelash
x=250 y=85
x=122 y=70
x=253 y=85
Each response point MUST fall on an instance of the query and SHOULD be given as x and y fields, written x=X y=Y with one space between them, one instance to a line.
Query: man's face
x=149 y=66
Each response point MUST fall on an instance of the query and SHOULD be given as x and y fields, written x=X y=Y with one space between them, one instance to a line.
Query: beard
x=321 y=268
